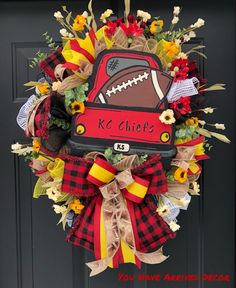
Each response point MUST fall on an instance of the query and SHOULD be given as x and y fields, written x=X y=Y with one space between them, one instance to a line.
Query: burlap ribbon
x=139 y=43
x=184 y=154
x=117 y=221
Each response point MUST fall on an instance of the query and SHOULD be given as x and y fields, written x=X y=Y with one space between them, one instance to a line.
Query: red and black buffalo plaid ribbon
x=41 y=119
x=150 y=231
x=49 y=64
x=74 y=179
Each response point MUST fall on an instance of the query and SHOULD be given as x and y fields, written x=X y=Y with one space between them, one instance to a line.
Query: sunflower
x=181 y=175
x=167 y=117
x=192 y=121
x=79 y=23
x=156 y=26
x=77 y=107
x=77 y=206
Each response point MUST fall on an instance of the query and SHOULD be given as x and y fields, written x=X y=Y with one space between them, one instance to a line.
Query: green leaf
x=68 y=17
x=108 y=153
x=69 y=96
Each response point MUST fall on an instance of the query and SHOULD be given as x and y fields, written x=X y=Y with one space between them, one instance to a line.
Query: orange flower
x=79 y=23
x=180 y=175
x=77 y=206
x=77 y=107
x=36 y=145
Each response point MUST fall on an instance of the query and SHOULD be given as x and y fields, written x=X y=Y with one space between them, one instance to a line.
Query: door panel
x=32 y=248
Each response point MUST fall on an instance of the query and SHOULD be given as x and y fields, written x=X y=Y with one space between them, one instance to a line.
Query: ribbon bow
x=116 y=230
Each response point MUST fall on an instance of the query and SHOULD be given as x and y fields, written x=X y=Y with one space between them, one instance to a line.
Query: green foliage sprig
x=115 y=158
x=39 y=56
x=59 y=123
x=50 y=42
x=76 y=94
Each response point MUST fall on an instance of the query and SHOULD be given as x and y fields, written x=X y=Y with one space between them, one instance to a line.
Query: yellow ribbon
x=87 y=44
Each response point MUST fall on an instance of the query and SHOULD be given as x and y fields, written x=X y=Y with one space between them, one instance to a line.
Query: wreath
x=117 y=130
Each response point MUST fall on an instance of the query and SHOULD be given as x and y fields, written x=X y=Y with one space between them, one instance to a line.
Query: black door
x=33 y=251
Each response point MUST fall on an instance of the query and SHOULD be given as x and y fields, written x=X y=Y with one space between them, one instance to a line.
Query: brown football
x=137 y=86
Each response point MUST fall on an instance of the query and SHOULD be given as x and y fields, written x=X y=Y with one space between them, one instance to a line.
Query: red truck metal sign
x=126 y=97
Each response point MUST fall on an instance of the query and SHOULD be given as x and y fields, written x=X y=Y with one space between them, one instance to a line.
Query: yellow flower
x=36 y=145
x=156 y=26
x=171 y=49
x=79 y=23
x=43 y=88
x=167 y=117
x=192 y=121
x=77 y=206
x=77 y=107
x=180 y=175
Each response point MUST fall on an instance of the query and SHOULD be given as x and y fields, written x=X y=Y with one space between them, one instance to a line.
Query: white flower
x=85 y=14
x=16 y=146
x=59 y=209
x=53 y=193
x=182 y=55
x=192 y=34
x=202 y=122
x=194 y=188
x=186 y=38
x=176 y=10
x=220 y=126
x=64 y=32
x=199 y=23
x=175 y=20
x=145 y=15
x=106 y=15
x=70 y=35
x=167 y=117
x=56 y=85
x=177 y=42
x=163 y=210
x=174 y=226
x=209 y=110
x=58 y=15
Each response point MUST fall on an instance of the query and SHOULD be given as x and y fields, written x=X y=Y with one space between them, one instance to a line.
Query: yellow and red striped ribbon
x=102 y=173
